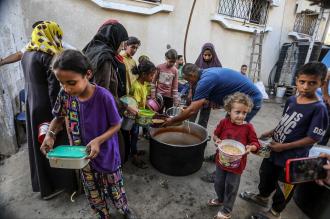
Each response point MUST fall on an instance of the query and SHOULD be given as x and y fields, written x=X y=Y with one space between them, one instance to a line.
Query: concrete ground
x=149 y=197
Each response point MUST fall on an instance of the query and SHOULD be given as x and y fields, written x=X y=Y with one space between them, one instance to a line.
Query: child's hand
x=265 y=135
x=47 y=144
x=93 y=148
x=277 y=147
x=250 y=148
x=216 y=140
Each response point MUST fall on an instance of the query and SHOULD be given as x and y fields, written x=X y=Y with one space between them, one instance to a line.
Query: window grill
x=155 y=1
x=305 y=23
x=252 y=11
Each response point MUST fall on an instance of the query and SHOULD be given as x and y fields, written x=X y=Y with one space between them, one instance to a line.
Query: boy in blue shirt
x=303 y=123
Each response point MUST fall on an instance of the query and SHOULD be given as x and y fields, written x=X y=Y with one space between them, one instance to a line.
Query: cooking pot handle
x=208 y=138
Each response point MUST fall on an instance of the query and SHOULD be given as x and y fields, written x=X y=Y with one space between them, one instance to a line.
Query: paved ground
x=184 y=197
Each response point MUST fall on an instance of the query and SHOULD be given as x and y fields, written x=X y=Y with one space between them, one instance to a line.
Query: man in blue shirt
x=213 y=85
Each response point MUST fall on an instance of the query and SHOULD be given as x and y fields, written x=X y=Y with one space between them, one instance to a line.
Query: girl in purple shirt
x=93 y=120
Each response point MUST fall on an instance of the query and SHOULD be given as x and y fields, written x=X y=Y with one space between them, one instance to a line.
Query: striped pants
x=100 y=188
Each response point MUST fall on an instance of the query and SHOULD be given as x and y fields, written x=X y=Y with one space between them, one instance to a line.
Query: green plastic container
x=68 y=157
x=145 y=117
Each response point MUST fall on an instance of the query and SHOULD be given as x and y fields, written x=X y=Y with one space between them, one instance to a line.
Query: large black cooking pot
x=178 y=150
x=313 y=200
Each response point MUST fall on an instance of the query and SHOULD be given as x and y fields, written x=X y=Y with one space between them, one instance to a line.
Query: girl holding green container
x=139 y=90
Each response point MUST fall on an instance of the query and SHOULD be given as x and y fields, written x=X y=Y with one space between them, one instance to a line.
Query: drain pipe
x=326 y=30
x=187 y=30
x=311 y=45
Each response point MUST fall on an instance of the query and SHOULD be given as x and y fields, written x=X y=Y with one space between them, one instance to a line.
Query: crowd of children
x=92 y=116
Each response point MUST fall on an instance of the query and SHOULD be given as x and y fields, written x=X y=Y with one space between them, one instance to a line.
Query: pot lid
x=67 y=151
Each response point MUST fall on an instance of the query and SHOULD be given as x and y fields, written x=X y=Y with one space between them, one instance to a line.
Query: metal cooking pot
x=178 y=150
x=313 y=200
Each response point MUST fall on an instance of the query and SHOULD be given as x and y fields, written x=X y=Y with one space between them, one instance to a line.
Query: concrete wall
x=80 y=20
x=12 y=38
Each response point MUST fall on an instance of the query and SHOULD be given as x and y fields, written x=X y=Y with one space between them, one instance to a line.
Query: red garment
x=119 y=58
x=243 y=133
x=110 y=21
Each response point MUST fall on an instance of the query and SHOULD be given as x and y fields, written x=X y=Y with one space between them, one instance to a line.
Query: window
x=305 y=23
x=251 y=11
x=155 y=1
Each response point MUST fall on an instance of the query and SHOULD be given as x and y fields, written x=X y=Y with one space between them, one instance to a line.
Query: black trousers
x=204 y=115
x=270 y=174
x=168 y=103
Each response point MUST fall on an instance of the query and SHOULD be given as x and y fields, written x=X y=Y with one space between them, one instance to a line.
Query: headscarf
x=104 y=45
x=215 y=62
x=46 y=37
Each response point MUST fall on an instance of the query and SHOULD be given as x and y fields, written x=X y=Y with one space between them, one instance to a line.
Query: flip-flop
x=252 y=197
x=220 y=215
x=214 y=202
x=264 y=215
x=259 y=216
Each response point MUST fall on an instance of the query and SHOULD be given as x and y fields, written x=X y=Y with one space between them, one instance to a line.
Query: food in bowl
x=157 y=121
x=230 y=153
x=230 y=149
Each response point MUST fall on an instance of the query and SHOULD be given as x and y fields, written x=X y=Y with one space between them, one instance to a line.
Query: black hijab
x=105 y=43
x=103 y=47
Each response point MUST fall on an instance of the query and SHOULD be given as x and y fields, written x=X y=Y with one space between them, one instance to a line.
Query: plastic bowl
x=153 y=105
x=145 y=117
x=68 y=157
x=264 y=150
x=230 y=160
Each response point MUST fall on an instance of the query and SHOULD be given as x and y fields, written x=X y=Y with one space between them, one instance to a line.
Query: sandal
x=214 y=202
x=220 y=215
x=266 y=215
x=140 y=163
x=254 y=198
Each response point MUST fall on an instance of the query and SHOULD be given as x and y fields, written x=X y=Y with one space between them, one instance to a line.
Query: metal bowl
x=173 y=111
